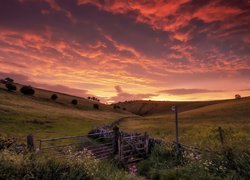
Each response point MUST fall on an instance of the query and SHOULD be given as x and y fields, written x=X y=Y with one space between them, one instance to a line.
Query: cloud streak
x=184 y=91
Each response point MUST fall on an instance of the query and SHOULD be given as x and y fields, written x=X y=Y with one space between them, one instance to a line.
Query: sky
x=128 y=50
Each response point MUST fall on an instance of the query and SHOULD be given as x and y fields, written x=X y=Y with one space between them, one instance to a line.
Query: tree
x=27 y=90
x=95 y=106
x=74 y=102
x=237 y=96
x=54 y=97
x=8 y=80
x=10 y=87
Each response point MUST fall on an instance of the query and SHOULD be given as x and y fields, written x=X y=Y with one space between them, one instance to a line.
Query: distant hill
x=198 y=123
x=145 y=108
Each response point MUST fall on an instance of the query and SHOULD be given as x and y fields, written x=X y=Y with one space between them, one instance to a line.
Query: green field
x=198 y=123
x=21 y=115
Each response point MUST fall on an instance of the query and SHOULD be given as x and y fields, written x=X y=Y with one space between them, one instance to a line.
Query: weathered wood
x=146 y=143
x=221 y=135
x=72 y=137
x=40 y=145
x=116 y=137
x=30 y=142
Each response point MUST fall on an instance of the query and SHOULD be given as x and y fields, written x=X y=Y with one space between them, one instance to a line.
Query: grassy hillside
x=146 y=108
x=198 y=126
x=21 y=115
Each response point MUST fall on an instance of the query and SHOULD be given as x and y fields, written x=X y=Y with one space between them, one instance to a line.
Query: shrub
x=27 y=90
x=10 y=87
x=124 y=109
x=54 y=97
x=96 y=106
x=237 y=96
x=74 y=102
x=9 y=80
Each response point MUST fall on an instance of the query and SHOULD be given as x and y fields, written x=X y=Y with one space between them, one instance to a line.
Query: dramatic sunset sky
x=124 y=50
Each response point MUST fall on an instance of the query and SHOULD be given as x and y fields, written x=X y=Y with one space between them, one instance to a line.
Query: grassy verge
x=37 y=166
x=163 y=164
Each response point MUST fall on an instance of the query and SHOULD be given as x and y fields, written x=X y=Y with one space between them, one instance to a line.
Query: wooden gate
x=99 y=144
x=129 y=147
x=133 y=148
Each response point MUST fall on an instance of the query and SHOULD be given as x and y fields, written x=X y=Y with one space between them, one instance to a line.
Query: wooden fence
x=128 y=147
x=133 y=148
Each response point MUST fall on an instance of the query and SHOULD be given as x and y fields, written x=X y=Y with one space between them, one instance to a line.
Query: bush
x=237 y=96
x=124 y=109
x=74 y=102
x=10 y=87
x=96 y=106
x=27 y=90
x=54 y=97
x=9 y=80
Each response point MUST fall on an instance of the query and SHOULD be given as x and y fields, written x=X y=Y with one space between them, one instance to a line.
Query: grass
x=198 y=126
x=21 y=115
x=147 y=108
x=39 y=166
x=163 y=164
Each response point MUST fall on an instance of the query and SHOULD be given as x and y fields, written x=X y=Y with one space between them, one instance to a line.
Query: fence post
x=120 y=148
x=177 y=131
x=146 y=143
x=30 y=142
x=40 y=145
x=116 y=135
x=221 y=136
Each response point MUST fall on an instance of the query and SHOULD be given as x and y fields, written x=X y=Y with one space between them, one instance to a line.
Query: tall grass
x=35 y=166
x=163 y=164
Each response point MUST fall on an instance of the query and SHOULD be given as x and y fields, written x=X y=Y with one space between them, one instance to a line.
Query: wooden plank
x=72 y=137
x=146 y=143
x=65 y=145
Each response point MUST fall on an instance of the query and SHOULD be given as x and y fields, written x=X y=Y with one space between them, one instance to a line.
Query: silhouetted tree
x=74 y=102
x=8 y=80
x=54 y=97
x=10 y=87
x=96 y=106
x=237 y=96
x=27 y=90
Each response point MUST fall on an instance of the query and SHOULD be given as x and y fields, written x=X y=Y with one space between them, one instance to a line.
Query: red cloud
x=171 y=15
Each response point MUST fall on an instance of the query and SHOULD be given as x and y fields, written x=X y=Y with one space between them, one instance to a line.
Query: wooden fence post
x=146 y=143
x=120 y=148
x=40 y=145
x=30 y=142
x=116 y=136
x=221 y=136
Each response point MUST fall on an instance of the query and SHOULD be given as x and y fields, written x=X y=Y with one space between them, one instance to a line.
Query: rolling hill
x=198 y=123
x=146 y=108
x=21 y=115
